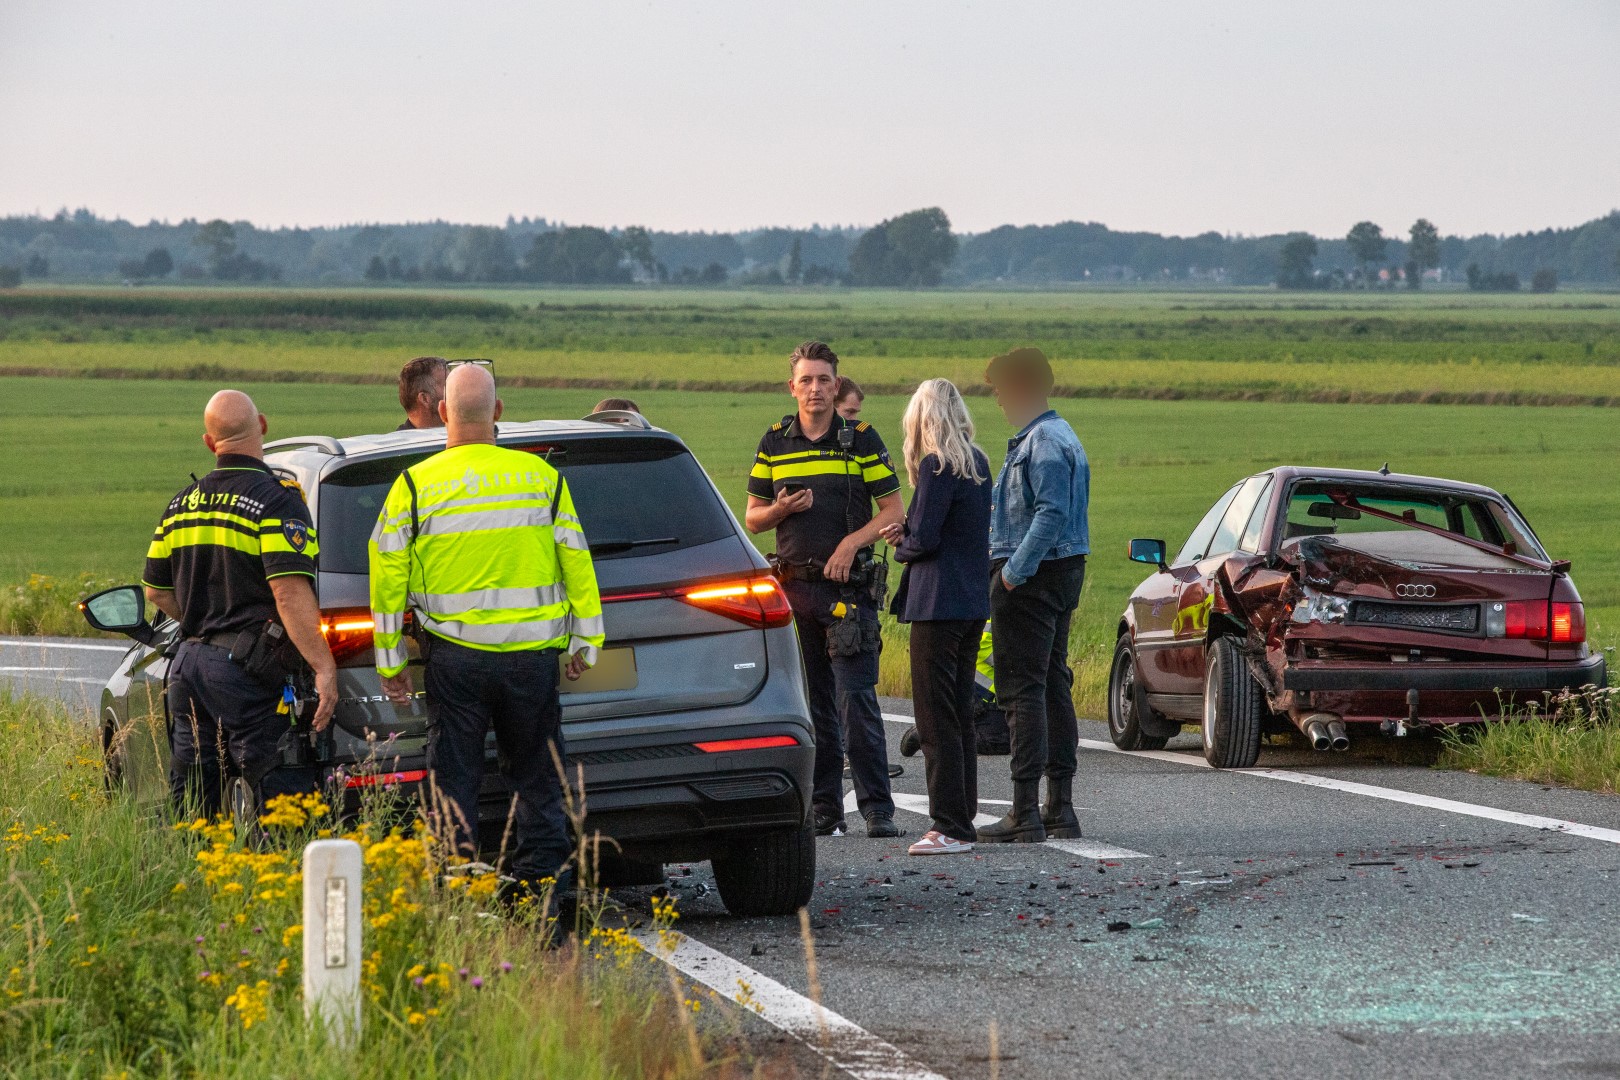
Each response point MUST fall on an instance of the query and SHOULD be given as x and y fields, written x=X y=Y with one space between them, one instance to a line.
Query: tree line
x=917 y=249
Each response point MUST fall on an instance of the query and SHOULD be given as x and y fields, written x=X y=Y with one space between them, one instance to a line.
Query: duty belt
x=221 y=639
x=795 y=572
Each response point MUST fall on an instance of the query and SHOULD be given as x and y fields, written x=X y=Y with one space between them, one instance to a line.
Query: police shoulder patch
x=297 y=534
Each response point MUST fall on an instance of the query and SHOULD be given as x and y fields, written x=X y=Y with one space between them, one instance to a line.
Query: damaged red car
x=1343 y=603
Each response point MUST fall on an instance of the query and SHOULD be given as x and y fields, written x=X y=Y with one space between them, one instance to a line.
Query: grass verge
x=139 y=949
x=1574 y=742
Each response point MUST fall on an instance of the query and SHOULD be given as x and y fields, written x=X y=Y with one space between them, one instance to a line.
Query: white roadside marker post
x=332 y=943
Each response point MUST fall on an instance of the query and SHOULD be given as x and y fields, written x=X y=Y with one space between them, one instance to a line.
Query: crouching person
x=483 y=545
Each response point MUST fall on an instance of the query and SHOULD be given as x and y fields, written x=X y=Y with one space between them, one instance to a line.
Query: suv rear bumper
x=663 y=800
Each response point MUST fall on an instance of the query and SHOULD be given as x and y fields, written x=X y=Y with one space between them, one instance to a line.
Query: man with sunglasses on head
x=421 y=388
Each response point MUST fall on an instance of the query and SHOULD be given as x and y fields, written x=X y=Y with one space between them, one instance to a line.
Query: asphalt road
x=1280 y=928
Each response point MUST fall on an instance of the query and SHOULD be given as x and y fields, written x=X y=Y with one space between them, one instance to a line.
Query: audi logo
x=1413 y=592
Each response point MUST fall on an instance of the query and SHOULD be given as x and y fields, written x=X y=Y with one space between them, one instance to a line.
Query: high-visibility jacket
x=985 y=673
x=490 y=556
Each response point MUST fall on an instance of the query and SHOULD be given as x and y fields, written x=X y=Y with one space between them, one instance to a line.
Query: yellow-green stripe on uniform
x=844 y=475
x=223 y=538
x=494 y=558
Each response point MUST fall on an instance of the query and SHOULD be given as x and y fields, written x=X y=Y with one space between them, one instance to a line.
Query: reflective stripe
x=586 y=626
x=212 y=534
x=827 y=466
x=389 y=542
x=545 y=631
x=388 y=623
x=491 y=600
x=424 y=509
x=588 y=650
x=484 y=521
x=392 y=661
x=568 y=538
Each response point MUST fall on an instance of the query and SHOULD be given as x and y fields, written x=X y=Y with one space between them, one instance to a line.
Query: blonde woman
x=944 y=544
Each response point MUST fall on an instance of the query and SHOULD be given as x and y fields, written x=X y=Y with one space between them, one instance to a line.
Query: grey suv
x=693 y=732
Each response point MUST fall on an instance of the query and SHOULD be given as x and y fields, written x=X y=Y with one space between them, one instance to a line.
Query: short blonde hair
x=937 y=422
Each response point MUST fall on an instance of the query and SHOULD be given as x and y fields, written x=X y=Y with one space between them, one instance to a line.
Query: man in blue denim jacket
x=1038 y=545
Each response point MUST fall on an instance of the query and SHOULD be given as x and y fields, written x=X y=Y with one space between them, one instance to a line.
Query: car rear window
x=634 y=497
x=1312 y=511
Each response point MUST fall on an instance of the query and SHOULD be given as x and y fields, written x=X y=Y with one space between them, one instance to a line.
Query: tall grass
x=135 y=948
x=1573 y=740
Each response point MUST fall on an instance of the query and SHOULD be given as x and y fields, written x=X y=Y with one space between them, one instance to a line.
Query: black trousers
x=1034 y=684
x=470 y=691
x=225 y=721
x=843 y=703
x=943 y=655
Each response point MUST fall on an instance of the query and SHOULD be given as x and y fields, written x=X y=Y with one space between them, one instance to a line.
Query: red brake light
x=385 y=779
x=764 y=742
x=1527 y=619
x=347 y=633
x=759 y=601
x=1568 y=623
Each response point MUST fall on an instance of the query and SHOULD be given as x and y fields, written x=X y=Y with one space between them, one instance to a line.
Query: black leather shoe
x=881 y=826
x=829 y=824
x=910 y=742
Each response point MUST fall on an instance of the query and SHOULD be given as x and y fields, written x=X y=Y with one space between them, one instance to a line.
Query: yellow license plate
x=615 y=670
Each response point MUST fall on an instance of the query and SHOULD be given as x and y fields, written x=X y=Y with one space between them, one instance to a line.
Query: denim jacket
x=1040 y=501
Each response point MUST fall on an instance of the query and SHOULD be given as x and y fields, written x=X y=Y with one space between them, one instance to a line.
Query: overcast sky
x=727 y=114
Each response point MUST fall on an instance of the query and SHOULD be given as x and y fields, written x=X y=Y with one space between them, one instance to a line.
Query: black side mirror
x=1148 y=551
x=120 y=610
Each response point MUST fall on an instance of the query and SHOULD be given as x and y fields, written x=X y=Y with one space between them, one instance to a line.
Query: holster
x=268 y=654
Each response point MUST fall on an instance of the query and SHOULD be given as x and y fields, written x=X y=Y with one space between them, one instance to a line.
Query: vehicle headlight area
x=1320 y=607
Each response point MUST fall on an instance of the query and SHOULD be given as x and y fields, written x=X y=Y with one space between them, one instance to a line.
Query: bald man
x=233 y=562
x=483 y=544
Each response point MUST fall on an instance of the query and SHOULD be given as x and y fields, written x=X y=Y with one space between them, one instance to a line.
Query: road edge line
x=845 y=1044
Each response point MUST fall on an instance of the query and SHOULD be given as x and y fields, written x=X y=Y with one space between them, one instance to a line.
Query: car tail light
x=347 y=633
x=764 y=742
x=385 y=779
x=758 y=601
x=1568 y=623
x=1536 y=620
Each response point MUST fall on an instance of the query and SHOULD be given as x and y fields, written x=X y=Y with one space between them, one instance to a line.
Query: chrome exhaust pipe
x=1336 y=734
x=1316 y=729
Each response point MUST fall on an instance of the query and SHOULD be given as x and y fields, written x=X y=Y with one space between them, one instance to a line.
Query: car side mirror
x=120 y=610
x=1148 y=551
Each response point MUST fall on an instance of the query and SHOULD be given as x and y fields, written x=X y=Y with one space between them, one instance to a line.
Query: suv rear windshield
x=634 y=496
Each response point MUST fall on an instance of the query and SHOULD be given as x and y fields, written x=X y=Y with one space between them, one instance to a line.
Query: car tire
x=772 y=875
x=1234 y=708
x=1126 y=702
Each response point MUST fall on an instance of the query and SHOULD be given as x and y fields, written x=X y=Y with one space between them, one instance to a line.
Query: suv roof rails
x=324 y=443
x=621 y=417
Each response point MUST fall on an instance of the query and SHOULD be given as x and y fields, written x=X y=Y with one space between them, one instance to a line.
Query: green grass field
x=88 y=465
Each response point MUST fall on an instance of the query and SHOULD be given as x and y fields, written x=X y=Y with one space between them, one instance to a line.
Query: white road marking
x=845 y=1044
x=35 y=643
x=1373 y=791
x=9 y=670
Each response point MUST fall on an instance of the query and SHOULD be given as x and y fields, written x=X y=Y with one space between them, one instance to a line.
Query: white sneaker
x=937 y=843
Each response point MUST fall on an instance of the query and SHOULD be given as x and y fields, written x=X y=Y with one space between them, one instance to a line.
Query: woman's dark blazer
x=946 y=547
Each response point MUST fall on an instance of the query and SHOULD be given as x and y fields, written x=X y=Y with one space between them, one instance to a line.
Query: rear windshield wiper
x=613 y=547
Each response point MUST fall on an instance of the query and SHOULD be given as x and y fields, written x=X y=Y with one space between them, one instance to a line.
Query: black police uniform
x=219 y=544
x=845 y=470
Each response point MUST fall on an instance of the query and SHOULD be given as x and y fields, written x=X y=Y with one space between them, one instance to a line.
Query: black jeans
x=943 y=654
x=470 y=691
x=216 y=706
x=1034 y=684
x=843 y=703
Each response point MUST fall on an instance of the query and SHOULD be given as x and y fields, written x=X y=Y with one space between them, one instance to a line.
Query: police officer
x=814 y=480
x=482 y=543
x=233 y=562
